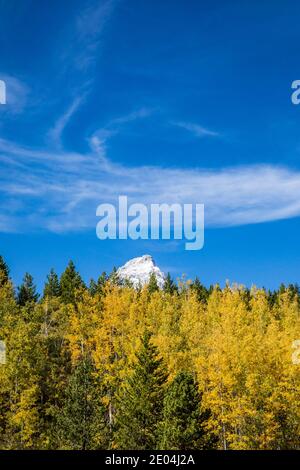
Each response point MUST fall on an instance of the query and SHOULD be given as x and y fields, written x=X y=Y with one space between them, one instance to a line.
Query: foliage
x=27 y=291
x=140 y=403
x=52 y=286
x=81 y=419
x=183 y=421
x=214 y=369
x=70 y=281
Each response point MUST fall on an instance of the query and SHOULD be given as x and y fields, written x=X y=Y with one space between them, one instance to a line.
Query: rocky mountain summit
x=138 y=271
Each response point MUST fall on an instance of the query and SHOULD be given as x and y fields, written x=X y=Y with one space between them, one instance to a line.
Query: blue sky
x=169 y=101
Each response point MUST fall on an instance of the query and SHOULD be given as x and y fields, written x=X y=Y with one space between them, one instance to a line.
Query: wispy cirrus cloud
x=86 y=35
x=196 y=129
x=59 y=191
x=98 y=140
x=55 y=134
x=140 y=113
x=90 y=26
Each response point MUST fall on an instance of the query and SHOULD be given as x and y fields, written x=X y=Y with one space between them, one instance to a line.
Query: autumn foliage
x=185 y=367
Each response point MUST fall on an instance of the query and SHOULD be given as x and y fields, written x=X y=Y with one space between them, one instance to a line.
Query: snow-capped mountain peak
x=138 y=271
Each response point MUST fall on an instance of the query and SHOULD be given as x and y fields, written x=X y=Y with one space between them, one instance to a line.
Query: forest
x=107 y=366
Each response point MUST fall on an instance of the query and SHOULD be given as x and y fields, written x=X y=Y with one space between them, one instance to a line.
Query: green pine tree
x=182 y=426
x=98 y=287
x=52 y=285
x=294 y=291
x=27 y=291
x=169 y=286
x=93 y=288
x=70 y=281
x=152 y=284
x=139 y=406
x=102 y=280
x=4 y=272
x=200 y=289
x=81 y=421
x=113 y=277
x=282 y=288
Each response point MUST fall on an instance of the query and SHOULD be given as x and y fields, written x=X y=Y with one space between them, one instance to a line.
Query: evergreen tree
x=294 y=291
x=272 y=297
x=152 y=285
x=52 y=285
x=98 y=287
x=200 y=289
x=70 y=281
x=4 y=272
x=27 y=291
x=282 y=288
x=169 y=286
x=113 y=277
x=212 y=288
x=139 y=407
x=81 y=420
x=182 y=426
x=102 y=279
x=93 y=288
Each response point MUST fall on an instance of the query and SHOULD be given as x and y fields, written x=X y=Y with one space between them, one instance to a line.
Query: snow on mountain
x=138 y=271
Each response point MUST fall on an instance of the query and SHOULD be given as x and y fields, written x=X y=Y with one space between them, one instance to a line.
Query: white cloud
x=91 y=21
x=56 y=132
x=138 y=114
x=196 y=129
x=98 y=141
x=59 y=191
x=87 y=34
